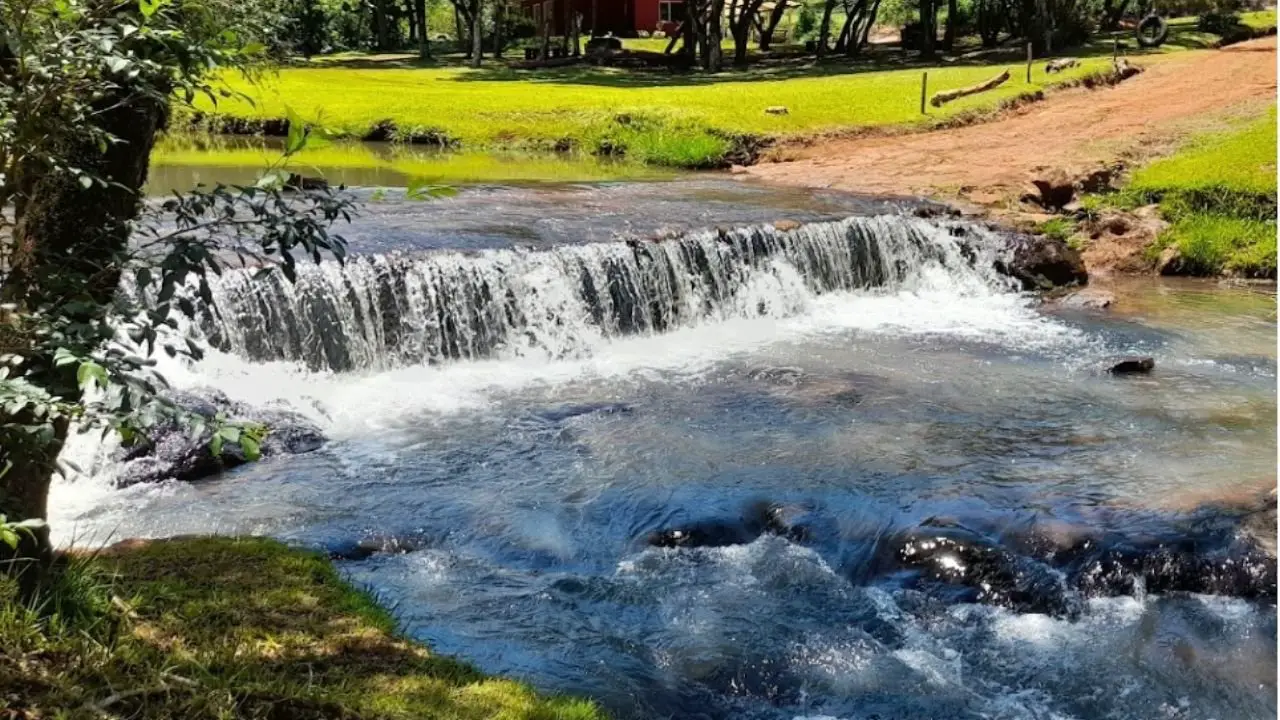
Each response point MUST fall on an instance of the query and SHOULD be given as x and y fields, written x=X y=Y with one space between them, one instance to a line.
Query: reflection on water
x=179 y=164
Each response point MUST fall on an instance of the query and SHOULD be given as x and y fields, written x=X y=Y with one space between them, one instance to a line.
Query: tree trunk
x=382 y=25
x=577 y=34
x=824 y=32
x=477 y=33
x=568 y=20
x=424 y=32
x=461 y=24
x=594 y=15
x=715 y=33
x=499 y=28
x=846 y=30
x=953 y=25
x=928 y=29
x=66 y=251
x=775 y=17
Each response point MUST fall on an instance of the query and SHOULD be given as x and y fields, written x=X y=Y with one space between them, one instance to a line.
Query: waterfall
x=398 y=309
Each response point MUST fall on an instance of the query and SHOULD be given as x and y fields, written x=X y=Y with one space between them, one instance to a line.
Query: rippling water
x=529 y=484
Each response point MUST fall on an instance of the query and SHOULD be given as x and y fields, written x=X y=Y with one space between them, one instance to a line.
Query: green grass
x=1222 y=245
x=223 y=628
x=654 y=118
x=1259 y=19
x=1220 y=194
x=180 y=162
x=1240 y=161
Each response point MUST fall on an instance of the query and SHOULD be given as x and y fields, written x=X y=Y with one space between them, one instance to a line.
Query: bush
x=1220 y=23
x=806 y=23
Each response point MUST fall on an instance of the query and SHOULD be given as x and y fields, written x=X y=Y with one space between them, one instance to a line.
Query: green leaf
x=117 y=64
x=297 y=133
x=252 y=450
x=8 y=537
x=149 y=7
x=91 y=373
x=215 y=445
x=423 y=190
x=273 y=180
x=86 y=182
x=254 y=48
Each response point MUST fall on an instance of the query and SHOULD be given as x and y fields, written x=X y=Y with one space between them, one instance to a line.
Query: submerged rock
x=759 y=519
x=1087 y=299
x=171 y=450
x=1133 y=366
x=367 y=547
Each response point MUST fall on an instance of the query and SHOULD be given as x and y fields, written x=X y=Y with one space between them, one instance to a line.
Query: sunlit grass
x=1220 y=194
x=500 y=107
x=234 y=628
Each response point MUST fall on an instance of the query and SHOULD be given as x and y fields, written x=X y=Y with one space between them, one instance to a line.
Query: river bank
x=232 y=627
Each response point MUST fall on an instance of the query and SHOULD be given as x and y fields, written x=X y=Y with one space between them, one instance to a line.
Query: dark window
x=671 y=11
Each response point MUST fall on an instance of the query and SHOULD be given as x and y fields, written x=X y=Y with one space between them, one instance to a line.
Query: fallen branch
x=949 y=95
x=1057 y=66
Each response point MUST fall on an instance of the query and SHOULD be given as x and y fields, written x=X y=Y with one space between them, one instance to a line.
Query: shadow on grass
x=1184 y=35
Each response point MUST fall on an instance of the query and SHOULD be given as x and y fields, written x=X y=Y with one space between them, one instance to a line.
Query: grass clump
x=232 y=628
x=1219 y=193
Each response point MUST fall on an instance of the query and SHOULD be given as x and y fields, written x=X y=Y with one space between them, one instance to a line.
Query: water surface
x=530 y=474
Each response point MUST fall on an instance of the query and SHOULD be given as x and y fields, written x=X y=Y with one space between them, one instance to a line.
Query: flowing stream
x=526 y=404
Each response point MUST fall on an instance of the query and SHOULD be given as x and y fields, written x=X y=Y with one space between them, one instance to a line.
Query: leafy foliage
x=72 y=348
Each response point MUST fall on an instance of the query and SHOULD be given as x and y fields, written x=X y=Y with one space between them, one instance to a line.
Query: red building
x=623 y=18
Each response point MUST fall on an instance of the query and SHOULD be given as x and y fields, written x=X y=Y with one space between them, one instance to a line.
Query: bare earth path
x=1075 y=130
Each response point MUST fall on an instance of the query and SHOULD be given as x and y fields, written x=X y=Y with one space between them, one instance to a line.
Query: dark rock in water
x=302 y=182
x=760 y=518
x=171 y=450
x=1042 y=263
x=1133 y=366
x=565 y=412
x=367 y=547
x=991 y=574
x=1166 y=568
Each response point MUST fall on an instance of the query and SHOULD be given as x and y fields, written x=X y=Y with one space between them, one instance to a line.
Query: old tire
x=1152 y=31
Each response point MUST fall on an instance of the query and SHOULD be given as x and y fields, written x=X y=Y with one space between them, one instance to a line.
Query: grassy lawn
x=1220 y=194
x=677 y=120
x=222 y=628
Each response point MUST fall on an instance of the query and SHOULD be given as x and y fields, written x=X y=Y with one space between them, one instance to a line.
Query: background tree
x=85 y=88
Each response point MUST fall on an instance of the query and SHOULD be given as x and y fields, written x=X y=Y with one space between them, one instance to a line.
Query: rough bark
x=715 y=32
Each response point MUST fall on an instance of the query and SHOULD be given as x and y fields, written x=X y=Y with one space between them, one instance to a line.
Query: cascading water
x=522 y=420
x=383 y=311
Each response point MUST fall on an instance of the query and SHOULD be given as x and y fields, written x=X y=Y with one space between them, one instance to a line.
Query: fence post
x=924 y=90
x=1028 y=63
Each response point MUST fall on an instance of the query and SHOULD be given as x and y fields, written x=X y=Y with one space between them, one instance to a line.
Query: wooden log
x=1061 y=64
x=949 y=95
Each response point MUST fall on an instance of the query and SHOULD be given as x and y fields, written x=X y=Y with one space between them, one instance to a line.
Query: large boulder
x=171 y=450
x=1043 y=263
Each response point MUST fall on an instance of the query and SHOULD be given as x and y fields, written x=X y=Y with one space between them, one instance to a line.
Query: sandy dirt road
x=1075 y=130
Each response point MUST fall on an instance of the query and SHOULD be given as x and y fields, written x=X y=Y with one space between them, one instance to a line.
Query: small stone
x=1133 y=366
x=786 y=225
x=1090 y=299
